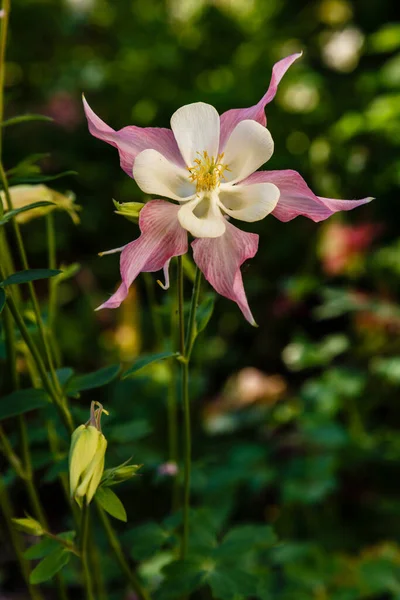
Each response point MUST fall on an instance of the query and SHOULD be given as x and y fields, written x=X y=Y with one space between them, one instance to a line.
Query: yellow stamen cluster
x=207 y=171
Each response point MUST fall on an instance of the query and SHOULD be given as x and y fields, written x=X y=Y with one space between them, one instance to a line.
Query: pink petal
x=162 y=238
x=220 y=260
x=131 y=140
x=296 y=198
x=231 y=118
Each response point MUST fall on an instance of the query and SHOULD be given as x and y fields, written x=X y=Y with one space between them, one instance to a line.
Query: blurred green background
x=297 y=422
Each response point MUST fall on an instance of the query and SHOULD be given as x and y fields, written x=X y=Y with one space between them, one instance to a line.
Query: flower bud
x=29 y=525
x=129 y=210
x=86 y=457
x=119 y=474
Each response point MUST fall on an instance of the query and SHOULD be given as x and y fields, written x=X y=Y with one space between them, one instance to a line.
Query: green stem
x=5 y=505
x=187 y=458
x=53 y=287
x=31 y=289
x=119 y=555
x=181 y=314
x=155 y=315
x=185 y=360
x=61 y=406
x=84 y=553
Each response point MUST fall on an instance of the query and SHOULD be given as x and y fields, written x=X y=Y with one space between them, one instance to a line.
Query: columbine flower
x=208 y=164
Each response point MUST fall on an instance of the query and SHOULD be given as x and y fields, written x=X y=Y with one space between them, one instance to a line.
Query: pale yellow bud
x=86 y=458
x=23 y=195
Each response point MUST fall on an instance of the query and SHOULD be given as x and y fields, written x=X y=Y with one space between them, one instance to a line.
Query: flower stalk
x=185 y=361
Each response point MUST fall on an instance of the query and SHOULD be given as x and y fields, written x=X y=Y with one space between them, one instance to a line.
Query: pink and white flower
x=207 y=165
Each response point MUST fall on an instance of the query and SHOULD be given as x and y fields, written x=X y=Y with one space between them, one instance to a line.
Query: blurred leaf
x=80 y=383
x=49 y=566
x=387 y=368
x=204 y=313
x=18 y=180
x=29 y=275
x=110 y=502
x=25 y=119
x=2 y=299
x=129 y=432
x=67 y=273
x=22 y=401
x=182 y=578
x=13 y=213
x=64 y=374
x=386 y=39
x=231 y=582
x=147 y=539
x=48 y=545
x=148 y=359
x=243 y=537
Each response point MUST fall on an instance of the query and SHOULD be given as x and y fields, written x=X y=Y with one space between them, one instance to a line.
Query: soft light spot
x=301 y=97
x=341 y=50
x=297 y=142
x=335 y=12
x=144 y=111
x=320 y=151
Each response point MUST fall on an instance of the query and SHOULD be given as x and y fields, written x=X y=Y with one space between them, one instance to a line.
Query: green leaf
x=147 y=359
x=64 y=375
x=79 y=383
x=48 y=546
x=29 y=275
x=39 y=178
x=204 y=312
x=111 y=503
x=182 y=578
x=25 y=119
x=13 y=213
x=244 y=537
x=147 y=539
x=228 y=583
x=2 y=299
x=49 y=566
x=22 y=401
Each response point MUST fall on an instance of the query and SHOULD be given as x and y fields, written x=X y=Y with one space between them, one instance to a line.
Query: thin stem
x=84 y=553
x=62 y=408
x=185 y=359
x=5 y=505
x=155 y=315
x=53 y=287
x=187 y=458
x=31 y=289
x=181 y=315
x=119 y=555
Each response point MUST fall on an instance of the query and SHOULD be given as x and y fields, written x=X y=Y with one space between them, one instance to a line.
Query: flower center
x=207 y=171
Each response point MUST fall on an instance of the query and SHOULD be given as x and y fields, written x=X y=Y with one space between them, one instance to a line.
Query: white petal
x=249 y=146
x=154 y=174
x=196 y=129
x=207 y=223
x=249 y=202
